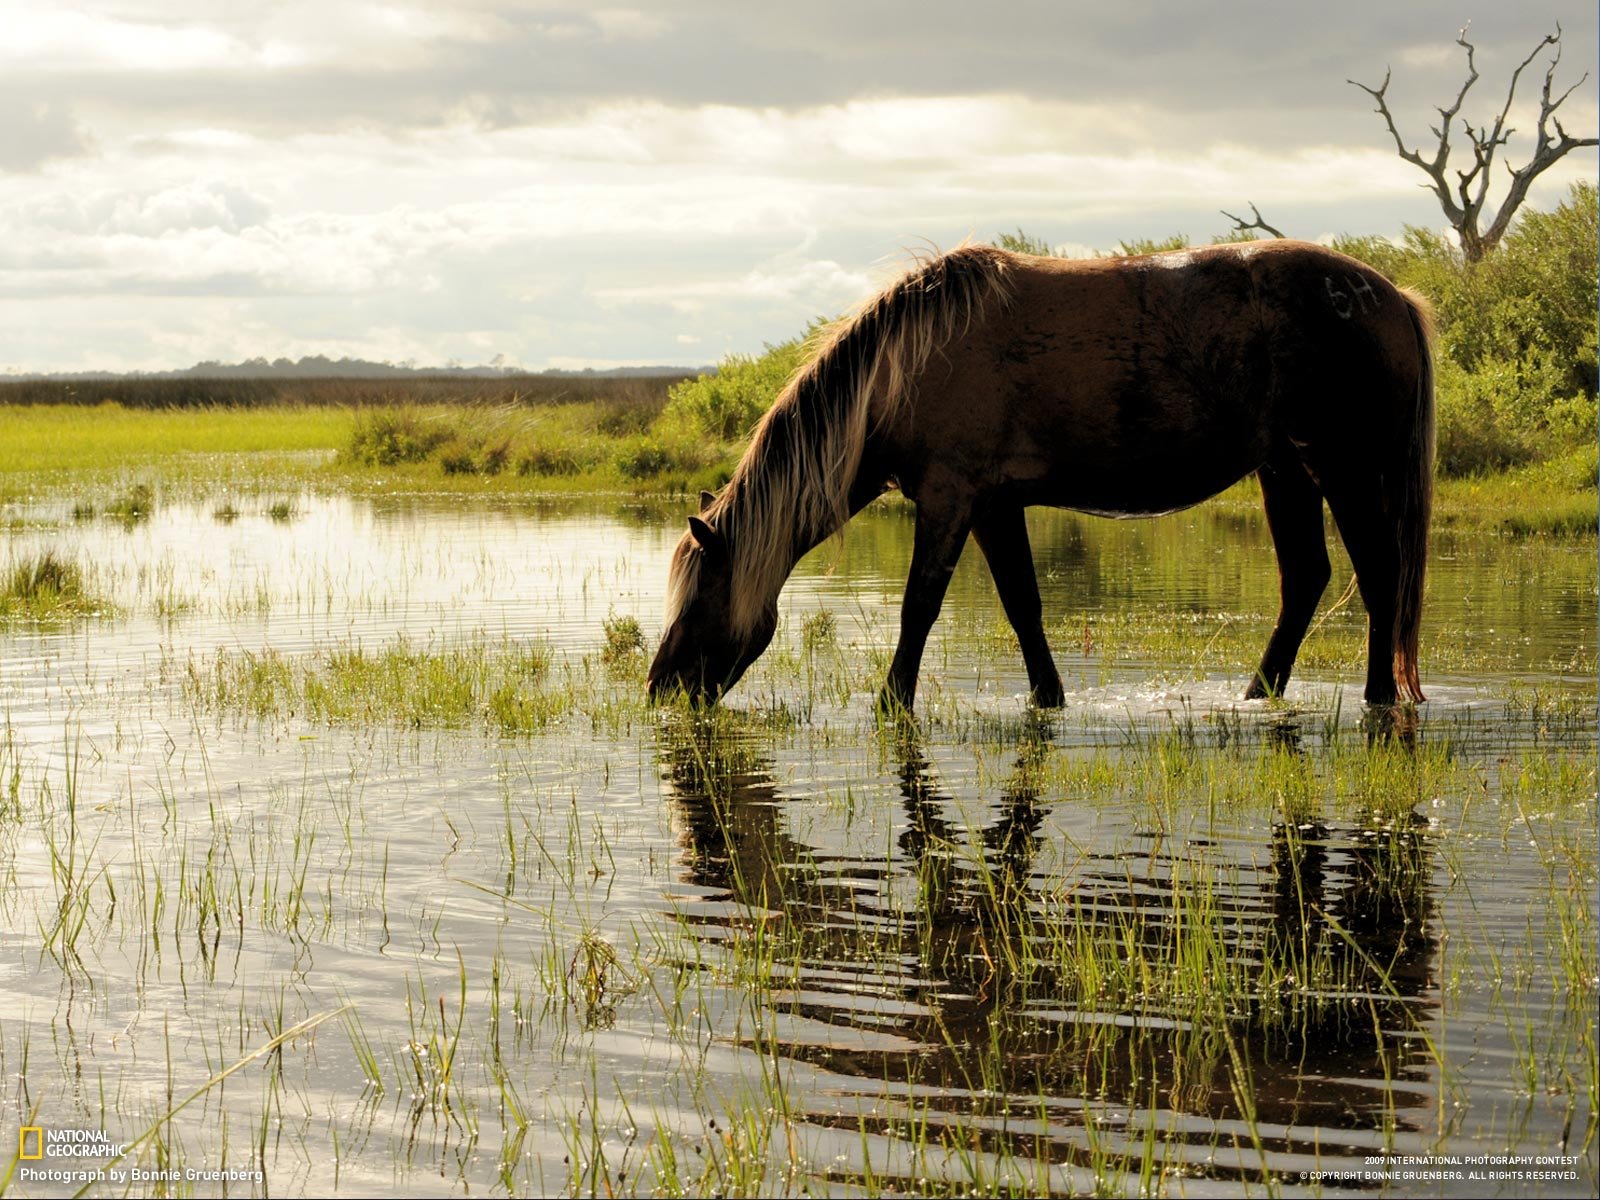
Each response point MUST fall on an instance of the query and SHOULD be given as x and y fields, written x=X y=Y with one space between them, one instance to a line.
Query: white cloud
x=39 y=37
x=1431 y=54
x=370 y=37
x=825 y=285
x=37 y=132
x=630 y=23
x=563 y=184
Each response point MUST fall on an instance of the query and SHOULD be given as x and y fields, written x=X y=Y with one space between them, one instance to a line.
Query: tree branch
x=1240 y=226
x=1464 y=202
x=1546 y=151
x=1434 y=169
x=1484 y=143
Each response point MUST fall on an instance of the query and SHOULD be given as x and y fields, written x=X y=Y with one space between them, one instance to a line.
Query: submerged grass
x=921 y=987
x=505 y=686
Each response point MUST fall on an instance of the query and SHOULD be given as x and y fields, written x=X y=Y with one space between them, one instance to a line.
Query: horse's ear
x=705 y=500
x=707 y=538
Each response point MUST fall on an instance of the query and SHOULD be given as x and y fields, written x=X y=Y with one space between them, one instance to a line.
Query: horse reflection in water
x=947 y=1006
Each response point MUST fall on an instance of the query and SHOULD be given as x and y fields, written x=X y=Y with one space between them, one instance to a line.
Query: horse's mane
x=793 y=483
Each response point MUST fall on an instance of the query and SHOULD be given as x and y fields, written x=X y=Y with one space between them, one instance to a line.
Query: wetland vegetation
x=340 y=848
x=366 y=807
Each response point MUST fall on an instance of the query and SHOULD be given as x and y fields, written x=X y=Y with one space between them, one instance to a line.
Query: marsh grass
x=1182 y=955
x=1156 y=981
x=110 y=439
x=506 y=686
x=133 y=506
x=1553 y=498
x=572 y=439
x=783 y=947
x=386 y=436
x=624 y=642
x=46 y=587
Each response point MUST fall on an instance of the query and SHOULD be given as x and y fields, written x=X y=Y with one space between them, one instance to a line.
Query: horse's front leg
x=1002 y=534
x=943 y=522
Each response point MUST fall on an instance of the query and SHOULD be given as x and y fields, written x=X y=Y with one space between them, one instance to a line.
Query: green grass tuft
x=504 y=686
x=133 y=506
x=45 y=587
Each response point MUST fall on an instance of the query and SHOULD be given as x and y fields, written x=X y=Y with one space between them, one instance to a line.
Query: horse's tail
x=1414 y=505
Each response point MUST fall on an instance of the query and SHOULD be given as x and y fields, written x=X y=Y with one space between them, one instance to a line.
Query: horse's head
x=702 y=652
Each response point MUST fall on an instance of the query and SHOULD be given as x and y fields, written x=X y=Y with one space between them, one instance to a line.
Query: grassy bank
x=96 y=453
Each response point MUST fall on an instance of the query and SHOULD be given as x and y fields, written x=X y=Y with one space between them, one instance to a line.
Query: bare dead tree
x=1463 y=202
x=1240 y=225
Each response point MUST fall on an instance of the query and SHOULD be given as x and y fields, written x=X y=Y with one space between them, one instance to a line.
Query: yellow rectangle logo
x=38 y=1142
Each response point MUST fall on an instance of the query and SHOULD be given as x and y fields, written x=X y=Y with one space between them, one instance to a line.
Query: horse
x=983 y=382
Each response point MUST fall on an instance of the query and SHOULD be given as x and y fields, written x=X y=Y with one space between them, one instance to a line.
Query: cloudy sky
x=572 y=186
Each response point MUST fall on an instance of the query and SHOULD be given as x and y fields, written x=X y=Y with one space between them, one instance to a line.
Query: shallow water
x=789 y=950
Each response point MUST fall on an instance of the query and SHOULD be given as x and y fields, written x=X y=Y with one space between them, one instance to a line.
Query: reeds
x=46 y=587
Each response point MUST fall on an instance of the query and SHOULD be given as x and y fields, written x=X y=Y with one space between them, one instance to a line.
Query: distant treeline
x=320 y=366
x=190 y=391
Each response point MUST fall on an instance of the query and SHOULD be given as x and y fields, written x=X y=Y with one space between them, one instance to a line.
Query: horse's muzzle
x=666 y=686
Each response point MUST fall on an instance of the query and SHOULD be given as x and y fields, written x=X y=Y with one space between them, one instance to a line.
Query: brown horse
x=984 y=382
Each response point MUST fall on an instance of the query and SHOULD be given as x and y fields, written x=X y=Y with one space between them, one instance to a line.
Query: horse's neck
x=872 y=479
x=785 y=502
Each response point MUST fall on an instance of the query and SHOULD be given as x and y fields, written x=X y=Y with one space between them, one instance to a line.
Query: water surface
x=790 y=950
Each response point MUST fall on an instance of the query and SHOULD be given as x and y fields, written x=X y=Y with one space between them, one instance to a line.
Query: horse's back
x=1147 y=383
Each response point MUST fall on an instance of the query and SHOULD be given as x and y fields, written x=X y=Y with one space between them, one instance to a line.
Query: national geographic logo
x=35 y=1142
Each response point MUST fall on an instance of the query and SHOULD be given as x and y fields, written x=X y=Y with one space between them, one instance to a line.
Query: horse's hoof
x=1049 y=696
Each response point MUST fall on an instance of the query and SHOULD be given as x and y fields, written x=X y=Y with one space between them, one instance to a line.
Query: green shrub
x=382 y=437
x=624 y=415
x=493 y=456
x=550 y=458
x=1473 y=437
x=644 y=458
x=1139 y=246
x=725 y=406
x=655 y=455
x=1515 y=358
x=460 y=456
x=1021 y=243
x=455 y=458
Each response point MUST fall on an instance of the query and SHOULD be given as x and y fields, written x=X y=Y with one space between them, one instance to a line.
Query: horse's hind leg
x=941 y=535
x=1002 y=535
x=1294 y=515
x=1368 y=535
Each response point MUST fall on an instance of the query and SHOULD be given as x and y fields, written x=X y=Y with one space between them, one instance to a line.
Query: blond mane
x=791 y=489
